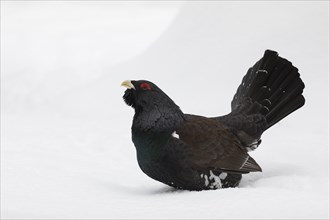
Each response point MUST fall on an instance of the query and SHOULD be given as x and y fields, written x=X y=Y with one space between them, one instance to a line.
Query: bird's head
x=150 y=102
x=143 y=94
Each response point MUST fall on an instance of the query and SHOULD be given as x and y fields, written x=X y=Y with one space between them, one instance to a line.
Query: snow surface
x=66 y=150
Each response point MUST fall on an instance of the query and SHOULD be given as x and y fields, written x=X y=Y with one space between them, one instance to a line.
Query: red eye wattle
x=145 y=86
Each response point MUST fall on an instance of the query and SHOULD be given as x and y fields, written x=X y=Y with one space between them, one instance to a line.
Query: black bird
x=199 y=153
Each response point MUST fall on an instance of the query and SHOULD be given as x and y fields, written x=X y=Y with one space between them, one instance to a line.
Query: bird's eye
x=145 y=86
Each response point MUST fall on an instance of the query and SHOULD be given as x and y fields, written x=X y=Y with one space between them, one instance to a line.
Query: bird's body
x=198 y=153
x=175 y=158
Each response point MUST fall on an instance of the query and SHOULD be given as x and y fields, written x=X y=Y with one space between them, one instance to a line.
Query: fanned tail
x=272 y=88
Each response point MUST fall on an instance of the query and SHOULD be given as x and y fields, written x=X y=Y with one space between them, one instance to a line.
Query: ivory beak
x=128 y=84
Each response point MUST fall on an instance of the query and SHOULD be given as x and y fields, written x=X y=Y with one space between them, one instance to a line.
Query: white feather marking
x=174 y=134
x=253 y=146
x=206 y=180
x=217 y=181
x=223 y=175
x=244 y=162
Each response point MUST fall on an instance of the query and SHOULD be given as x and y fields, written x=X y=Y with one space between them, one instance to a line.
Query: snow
x=66 y=149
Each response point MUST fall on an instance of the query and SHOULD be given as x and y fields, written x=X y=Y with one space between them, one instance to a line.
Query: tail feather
x=267 y=62
x=287 y=102
x=272 y=87
x=279 y=74
x=281 y=84
x=295 y=104
x=257 y=84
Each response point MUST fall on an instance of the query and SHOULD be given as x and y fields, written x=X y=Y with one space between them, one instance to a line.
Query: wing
x=211 y=146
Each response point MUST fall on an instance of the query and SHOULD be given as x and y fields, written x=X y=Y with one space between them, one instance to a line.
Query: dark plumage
x=197 y=153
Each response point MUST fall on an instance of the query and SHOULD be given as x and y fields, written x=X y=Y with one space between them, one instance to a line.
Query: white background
x=65 y=131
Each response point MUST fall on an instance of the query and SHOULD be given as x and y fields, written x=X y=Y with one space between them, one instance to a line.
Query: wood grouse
x=200 y=153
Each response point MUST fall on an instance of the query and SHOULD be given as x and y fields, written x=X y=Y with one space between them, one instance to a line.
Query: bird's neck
x=157 y=119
